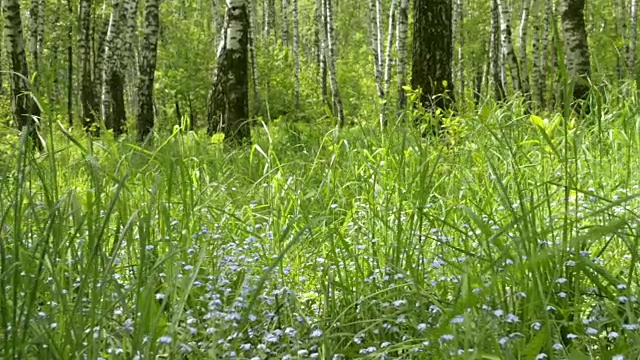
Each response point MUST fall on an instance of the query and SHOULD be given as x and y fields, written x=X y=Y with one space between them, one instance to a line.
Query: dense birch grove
x=122 y=65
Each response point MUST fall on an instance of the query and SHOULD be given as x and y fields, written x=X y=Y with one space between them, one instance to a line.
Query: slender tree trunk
x=374 y=22
x=621 y=27
x=433 y=53
x=1 y=49
x=131 y=50
x=507 y=45
x=285 y=23
x=524 y=28
x=87 y=95
x=321 y=29
x=296 y=51
x=36 y=30
x=113 y=87
x=633 y=34
x=254 y=59
x=270 y=24
x=388 y=60
x=495 y=51
x=70 y=66
x=460 y=21
x=330 y=57
x=576 y=46
x=544 y=53
x=25 y=109
x=390 y=36
x=228 y=104
x=148 y=69
x=216 y=23
x=401 y=49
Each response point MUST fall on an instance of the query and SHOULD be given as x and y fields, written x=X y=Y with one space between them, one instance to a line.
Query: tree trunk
x=432 y=53
x=228 y=103
x=576 y=46
x=621 y=28
x=36 y=30
x=131 y=50
x=401 y=49
x=254 y=60
x=460 y=69
x=25 y=109
x=507 y=45
x=87 y=95
x=113 y=86
x=1 y=49
x=544 y=53
x=330 y=57
x=147 y=69
x=270 y=24
x=321 y=32
x=524 y=28
x=388 y=61
x=285 y=23
x=495 y=51
x=70 y=66
x=374 y=23
x=296 y=52
x=633 y=34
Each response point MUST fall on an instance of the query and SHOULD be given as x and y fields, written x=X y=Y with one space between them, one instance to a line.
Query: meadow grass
x=517 y=238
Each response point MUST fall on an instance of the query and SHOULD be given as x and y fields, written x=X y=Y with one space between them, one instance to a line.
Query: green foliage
x=521 y=239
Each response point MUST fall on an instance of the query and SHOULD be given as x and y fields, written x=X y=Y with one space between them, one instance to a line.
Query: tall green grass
x=516 y=239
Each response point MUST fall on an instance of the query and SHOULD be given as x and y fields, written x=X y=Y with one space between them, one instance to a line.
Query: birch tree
x=401 y=49
x=36 y=35
x=620 y=7
x=149 y=52
x=285 y=23
x=633 y=35
x=87 y=95
x=1 y=49
x=228 y=102
x=388 y=60
x=433 y=53
x=460 y=38
x=26 y=111
x=254 y=59
x=537 y=88
x=495 y=51
x=321 y=45
x=114 y=113
x=523 y=33
x=296 y=51
x=374 y=29
x=330 y=57
x=576 y=46
x=544 y=53
x=507 y=45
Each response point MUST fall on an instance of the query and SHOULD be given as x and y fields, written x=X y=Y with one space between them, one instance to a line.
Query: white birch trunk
x=507 y=45
x=633 y=34
x=524 y=28
x=388 y=61
x=254 y=58
x=296 y=51
x=495 y=54
x=24 y=108
x=330 y=56
x=285 y=23
x=375 y=45
x=401 y=49
x=149 y=50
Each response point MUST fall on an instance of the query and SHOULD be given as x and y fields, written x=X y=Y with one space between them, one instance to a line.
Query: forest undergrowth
x=517 y=238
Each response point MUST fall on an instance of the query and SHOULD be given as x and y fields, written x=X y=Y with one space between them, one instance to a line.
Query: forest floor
x=515 y=239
